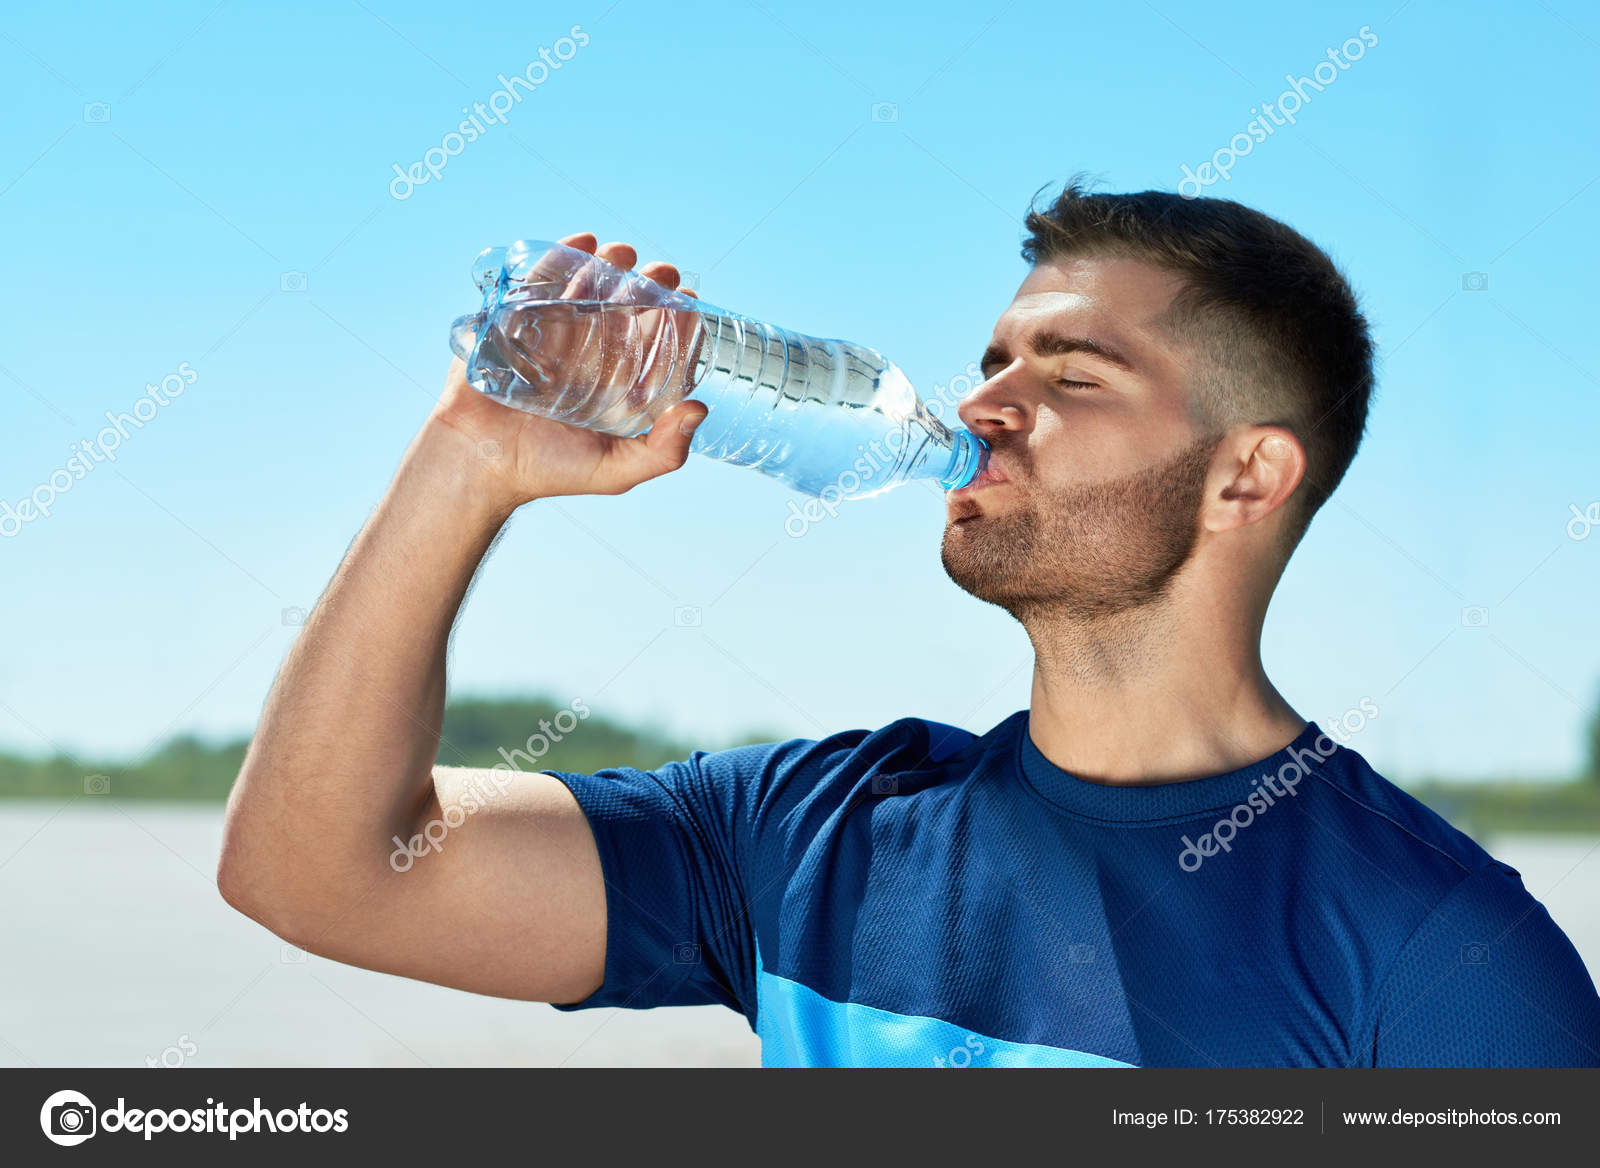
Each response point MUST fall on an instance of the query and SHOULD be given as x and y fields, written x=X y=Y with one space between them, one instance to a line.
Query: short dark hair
x=1281 y=336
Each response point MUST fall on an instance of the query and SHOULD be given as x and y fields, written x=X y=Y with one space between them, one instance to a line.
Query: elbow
x=243 y=886
x=287 y=870
x=247 y=879
x=232 y=881
x=260 y=895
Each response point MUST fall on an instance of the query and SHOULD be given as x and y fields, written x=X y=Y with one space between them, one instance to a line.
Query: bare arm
x=342 y=761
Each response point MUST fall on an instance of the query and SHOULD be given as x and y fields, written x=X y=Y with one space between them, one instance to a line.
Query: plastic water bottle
x=564 y=334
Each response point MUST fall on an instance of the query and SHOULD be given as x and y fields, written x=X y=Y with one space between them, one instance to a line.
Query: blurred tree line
x=1594 y=745
x=475 y=732
x=481 y=732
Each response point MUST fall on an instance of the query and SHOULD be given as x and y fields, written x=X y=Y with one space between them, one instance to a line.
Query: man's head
x=1171 y=371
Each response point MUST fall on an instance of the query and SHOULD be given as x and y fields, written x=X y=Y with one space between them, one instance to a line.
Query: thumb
x=666 y=447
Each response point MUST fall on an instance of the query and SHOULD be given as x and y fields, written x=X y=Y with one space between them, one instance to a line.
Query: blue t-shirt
x=921 y=896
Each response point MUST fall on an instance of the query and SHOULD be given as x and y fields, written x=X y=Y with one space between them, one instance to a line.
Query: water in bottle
x=564 y=334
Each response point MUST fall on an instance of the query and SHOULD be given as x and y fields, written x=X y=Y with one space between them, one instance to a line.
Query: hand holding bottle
x=534 y=456
x=570 y=336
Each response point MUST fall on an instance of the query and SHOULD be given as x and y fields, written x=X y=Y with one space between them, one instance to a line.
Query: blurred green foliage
x=1485 y=809
x=1594 y=745
x=475 y=731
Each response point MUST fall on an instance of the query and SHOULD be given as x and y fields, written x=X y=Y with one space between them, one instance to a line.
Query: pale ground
x=120 y=950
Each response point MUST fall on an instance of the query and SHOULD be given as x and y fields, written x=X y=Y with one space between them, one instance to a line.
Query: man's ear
x=1254 y=472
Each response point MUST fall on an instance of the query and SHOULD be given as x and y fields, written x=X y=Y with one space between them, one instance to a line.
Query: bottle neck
x=952 y=458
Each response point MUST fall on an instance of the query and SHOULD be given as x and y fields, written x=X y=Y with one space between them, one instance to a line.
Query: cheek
x=1084 y=442
x=1075 y=446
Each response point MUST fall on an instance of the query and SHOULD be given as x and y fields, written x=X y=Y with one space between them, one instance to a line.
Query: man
x=1159 y=862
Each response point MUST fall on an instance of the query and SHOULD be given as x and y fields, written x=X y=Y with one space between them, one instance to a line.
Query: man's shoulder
x=906 y=743
x=1394 y=830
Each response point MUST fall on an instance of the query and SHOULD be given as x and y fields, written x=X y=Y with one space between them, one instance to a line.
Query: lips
x=993 y=472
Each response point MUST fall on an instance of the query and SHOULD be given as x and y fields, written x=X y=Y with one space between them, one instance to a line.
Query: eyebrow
x=1045 y=343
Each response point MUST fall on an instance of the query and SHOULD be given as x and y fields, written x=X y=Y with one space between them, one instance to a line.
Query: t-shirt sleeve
x=670 y=841
x=1488 y=980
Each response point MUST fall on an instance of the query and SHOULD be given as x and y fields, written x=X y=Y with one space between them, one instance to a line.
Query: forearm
x=342 y=758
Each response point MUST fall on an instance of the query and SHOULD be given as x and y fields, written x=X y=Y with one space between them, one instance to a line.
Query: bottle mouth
x=968 y=457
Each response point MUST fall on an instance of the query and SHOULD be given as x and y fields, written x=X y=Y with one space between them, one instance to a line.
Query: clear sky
x=204 y=190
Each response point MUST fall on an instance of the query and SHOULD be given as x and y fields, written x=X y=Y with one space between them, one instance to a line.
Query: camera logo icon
x=1475 y=616
x=885 y=112
x=68 y=1118
x=292 y=282
x=686 y=616
x=97 y=111
x=294 y=615
x=291 y=955
x=689 y=280
x=490 y=449
x=885 y=784
x=1582 y=522
x=173 y=1056
x=686 y=953
x=1474 y=281
x=1475 y=953
x=97 y=784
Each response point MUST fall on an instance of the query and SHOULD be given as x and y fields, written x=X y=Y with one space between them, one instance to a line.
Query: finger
x=651 y=323
x=618 y=255
x=557 y=268
x=584 y=281
x=666 y=447
x=662 y=273
x=618 y=333
x=656 y=341
x=685 y=318
x=690 y=330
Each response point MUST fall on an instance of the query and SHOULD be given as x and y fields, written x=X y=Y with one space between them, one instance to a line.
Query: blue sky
x=205 y=188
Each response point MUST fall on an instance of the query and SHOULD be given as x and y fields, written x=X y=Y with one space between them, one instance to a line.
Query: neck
x=1161 y=693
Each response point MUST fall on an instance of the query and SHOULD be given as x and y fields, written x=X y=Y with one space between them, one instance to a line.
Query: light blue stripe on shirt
x=801 y=1028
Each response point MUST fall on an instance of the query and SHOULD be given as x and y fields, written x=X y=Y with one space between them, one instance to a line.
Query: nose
x=1000 y=403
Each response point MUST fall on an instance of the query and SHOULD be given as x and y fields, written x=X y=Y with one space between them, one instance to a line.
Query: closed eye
x=1070 y=384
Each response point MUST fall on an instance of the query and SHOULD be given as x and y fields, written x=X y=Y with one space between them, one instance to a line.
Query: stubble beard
x=1087 y=554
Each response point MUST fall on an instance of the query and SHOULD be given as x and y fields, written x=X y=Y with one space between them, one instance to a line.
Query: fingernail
x=688 y=424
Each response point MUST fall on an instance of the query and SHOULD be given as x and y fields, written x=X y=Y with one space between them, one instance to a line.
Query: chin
x=980 y=557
